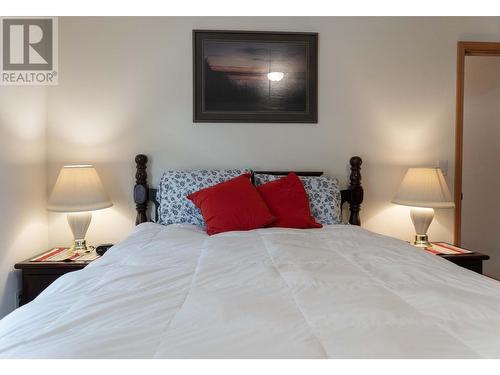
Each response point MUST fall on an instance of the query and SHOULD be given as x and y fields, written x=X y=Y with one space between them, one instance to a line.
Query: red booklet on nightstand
x=61 y=254
x=446 y=248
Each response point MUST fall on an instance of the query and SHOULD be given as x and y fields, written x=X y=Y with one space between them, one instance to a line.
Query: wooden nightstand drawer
x=37 y=276
x=462 y=257
x=34 y=284
x=36 y=280
x=472 y=261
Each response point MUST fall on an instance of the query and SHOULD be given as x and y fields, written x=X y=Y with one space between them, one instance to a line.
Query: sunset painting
x=255 y=76
x=255 y=79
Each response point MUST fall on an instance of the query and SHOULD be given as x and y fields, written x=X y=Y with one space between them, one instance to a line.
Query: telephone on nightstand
x=101 y=249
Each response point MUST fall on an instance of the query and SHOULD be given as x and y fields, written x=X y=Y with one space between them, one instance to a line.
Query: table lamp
x=78 y=190
x=423 y=189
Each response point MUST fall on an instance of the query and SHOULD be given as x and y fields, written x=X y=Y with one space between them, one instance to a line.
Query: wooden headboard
x=353 y=195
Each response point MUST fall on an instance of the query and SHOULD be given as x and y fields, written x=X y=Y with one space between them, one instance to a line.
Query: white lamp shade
x=78 y=188
x=424 y=187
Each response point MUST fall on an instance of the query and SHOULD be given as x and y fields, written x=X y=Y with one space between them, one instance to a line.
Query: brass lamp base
x=422 y=218
x=79 y=247
x=421 y=240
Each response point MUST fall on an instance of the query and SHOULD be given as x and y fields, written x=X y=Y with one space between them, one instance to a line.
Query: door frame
x=464 y=49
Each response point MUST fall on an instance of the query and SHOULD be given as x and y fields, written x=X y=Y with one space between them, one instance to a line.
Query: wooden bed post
x=356 y=190
x=141 y=192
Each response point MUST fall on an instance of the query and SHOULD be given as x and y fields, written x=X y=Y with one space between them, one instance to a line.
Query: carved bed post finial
x=141 y=189
x=356 y=190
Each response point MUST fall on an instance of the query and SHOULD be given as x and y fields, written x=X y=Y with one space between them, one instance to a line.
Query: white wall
x=386 y=93
x=23 y=219
x=481 y=160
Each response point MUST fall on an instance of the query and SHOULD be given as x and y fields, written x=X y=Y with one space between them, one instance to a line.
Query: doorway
x=477 y=154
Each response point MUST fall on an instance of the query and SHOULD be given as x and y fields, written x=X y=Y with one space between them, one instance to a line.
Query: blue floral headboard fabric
x=174 y=207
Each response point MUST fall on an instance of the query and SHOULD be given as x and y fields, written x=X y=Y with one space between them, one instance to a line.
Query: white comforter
x=339 y=292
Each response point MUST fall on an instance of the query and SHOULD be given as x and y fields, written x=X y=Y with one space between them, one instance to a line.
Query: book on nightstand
x=446 y=248
x=62 y=254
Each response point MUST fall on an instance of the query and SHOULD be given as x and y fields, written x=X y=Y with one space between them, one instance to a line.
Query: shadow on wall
x=24 y=228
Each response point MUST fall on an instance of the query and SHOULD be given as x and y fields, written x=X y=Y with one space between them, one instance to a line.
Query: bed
x=335 y=292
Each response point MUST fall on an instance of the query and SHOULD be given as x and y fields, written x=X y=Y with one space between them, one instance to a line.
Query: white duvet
x=338 y=292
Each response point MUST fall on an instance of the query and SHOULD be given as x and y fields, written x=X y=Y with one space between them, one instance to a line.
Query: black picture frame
x=212 y=92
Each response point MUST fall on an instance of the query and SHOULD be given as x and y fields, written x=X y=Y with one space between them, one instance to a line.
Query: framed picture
x=242 y=76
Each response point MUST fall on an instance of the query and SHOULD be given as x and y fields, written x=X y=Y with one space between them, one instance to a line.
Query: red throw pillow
x=234 y=204
x=288 y=201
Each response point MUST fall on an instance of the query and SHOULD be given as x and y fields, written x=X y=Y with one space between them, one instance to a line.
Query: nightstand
x=472 y=261
x=36 y=276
